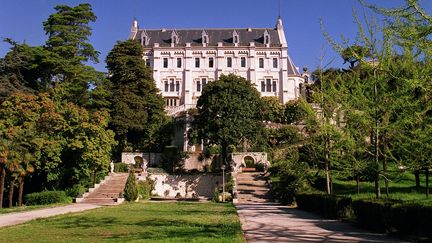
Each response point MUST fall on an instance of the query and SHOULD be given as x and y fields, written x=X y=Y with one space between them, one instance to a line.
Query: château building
x=184 y=61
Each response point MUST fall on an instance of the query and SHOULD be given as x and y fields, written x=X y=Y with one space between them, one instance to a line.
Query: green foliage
x=229 y=114
x=75 y=190
x=329 y=206
x=145 y=188
x=173 y=158
x=293 y=112
x=121 y=167
x=287 y=178
x=137 y=110
x=285 y=135
x=46 y=197
x=131 y=191
x=273 y=110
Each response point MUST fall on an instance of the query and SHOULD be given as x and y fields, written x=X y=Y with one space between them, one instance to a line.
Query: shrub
x=75 y=191
x=121 y=167
x=329 y=206
x=288 y=177
x=173 y=159
x=131 y=191
x=394 y=216
x=46 y=197
x=145 y=188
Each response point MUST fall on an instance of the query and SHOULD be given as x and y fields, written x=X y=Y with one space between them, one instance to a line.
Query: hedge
x=394 y=217
x=46 y=197
x=328 y=206
x=121 y=167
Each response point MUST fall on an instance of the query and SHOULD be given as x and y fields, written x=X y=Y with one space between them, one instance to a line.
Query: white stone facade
x=184 y=61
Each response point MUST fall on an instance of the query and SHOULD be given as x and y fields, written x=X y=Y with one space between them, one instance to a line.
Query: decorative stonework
x=238 y=160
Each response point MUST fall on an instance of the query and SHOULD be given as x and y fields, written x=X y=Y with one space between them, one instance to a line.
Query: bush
x=329 y=206
x=131 y=191
x=46 y=197
x=76 y=190
x=394 y=216
x=173 y=158
x=288 y=177
x=121 y=167
x=145 y=188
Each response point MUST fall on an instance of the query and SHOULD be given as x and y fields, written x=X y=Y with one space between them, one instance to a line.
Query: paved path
x=22 y=217
x=276 y=223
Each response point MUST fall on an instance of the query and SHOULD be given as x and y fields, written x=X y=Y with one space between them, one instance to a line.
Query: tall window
x=165 y=62
x=275 y=63
x=243 y=61
x=147 y=62
x=229 y=61
x=177 y=86
x=197 y=62
x=262 y=86
x=198 y=84
x=171 y=85
x=261 y=63
x=211 y=62
x=268 y=85
x=274 y=86
x=204 y=82
x=179 y=62
x=166 y=86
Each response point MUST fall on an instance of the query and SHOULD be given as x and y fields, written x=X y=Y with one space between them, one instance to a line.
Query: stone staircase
x=252 y=188
x=107 y=192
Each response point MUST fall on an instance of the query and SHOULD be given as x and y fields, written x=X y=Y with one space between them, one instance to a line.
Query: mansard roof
x=194 y=36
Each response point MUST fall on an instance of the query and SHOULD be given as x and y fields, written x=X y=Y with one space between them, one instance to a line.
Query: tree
x=68 y=33
x=137 y=110
x=272 y=109
x=229 y=112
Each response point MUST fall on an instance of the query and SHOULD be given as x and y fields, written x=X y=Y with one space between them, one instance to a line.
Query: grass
x=140 y=222
x=29 y=208
x=401 y=187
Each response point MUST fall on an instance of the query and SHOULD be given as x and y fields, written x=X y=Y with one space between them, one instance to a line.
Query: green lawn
x=142 y=221
x=401 y=187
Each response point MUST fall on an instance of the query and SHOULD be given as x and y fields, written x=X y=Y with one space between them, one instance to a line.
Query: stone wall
x=239 y=158
x=129 y=158
x=186 y=186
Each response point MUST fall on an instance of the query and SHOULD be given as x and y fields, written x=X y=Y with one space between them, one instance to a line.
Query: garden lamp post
x=223 y=183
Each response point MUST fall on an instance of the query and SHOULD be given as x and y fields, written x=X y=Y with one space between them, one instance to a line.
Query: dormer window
x=236 y=38
x=204 y=37
x=266 y=38
x=174 y=37
x=145 y=39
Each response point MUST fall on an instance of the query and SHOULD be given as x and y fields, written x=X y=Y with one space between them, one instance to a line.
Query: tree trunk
x=20 y=190
x=386 y=181
x=358 y=184
x=11 y=190
x=427 y=181
x=224 y=153
x=417 y=179
x=377 y=178
x=94 y=178
x=2 y=183
x=377 y=187
x=327 y=172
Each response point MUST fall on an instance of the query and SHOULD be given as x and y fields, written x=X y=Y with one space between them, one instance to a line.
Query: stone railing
x=174 y=110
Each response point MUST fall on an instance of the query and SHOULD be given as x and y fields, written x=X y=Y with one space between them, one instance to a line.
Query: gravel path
x=276 y=223
x=9 y=219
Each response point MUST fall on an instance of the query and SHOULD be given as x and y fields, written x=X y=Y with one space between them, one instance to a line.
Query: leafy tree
x=137 y=109
x=272 y=109
x=229 y=113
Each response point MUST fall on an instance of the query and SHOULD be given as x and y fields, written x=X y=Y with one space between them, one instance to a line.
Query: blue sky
x=22 y=20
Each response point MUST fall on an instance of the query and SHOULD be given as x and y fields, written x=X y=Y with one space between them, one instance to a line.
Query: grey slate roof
x=194 y=36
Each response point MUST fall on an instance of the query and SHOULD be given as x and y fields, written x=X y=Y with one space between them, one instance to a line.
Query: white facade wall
x=181 y=83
